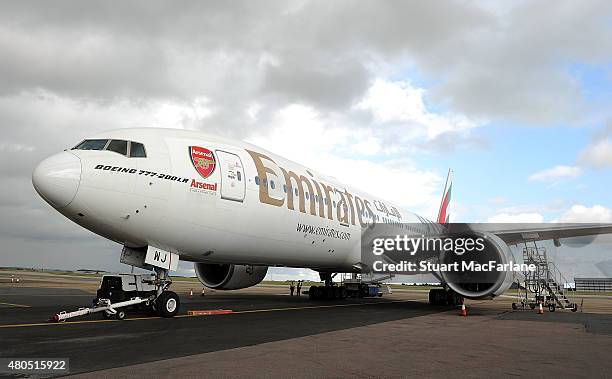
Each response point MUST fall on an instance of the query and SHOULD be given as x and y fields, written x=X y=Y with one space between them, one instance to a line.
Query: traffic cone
x=191 y=292
x=463 y=310
x=541 y=310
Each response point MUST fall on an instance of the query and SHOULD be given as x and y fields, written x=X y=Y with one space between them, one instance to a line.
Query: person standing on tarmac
x=291 y=288
x=299 y=287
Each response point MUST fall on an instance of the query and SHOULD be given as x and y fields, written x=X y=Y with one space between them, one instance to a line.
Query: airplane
x=234 y=209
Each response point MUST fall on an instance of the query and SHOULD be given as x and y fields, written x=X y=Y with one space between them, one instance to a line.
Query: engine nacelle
x=228 y=276
x=485 y=284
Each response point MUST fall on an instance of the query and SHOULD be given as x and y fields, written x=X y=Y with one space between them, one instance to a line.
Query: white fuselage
x=253 y=207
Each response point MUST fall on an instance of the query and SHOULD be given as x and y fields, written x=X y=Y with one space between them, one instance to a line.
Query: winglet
x=446 y=197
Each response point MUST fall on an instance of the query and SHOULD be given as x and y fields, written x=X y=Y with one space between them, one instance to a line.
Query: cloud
x=516 y=218
x=322 y=143
x=517 y=66
x=581 y=213
x=598 y=154
x=400 y=102
x=289 y=273
x=557 y=172
x=488 y=62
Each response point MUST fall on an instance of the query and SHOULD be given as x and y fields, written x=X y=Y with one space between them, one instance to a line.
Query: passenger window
x=307 y=198
x=118 y=146
x=284 y=188
x=272 y=184
x=296 y=192
x=91 y=144
x=239 y=175
x=257 y=180
x=137 y=150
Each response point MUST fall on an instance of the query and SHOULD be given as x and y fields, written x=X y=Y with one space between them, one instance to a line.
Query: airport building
x=593 y=284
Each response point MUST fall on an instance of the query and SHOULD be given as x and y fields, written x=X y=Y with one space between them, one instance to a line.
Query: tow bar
x=103 y=305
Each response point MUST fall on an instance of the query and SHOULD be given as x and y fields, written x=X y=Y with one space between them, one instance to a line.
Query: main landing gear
x=442 y=296
x=328 y=291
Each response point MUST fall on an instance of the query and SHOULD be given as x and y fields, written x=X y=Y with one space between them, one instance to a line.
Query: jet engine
x=229 y=276
x=481 y=284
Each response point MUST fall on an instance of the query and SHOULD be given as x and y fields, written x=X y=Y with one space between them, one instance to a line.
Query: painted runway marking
x=185 y=316
x=48 y=294
x=318 y=306
x=16 y=305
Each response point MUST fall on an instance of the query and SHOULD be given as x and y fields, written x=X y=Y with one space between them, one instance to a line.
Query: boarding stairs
x=546 y=281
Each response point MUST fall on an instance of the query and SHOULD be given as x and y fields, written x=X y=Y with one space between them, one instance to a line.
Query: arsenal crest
x=203 y=160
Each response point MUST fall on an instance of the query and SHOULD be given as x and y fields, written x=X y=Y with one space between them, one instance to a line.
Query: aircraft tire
x=167 y=304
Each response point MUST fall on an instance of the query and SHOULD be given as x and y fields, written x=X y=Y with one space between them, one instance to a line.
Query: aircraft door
x=233 y=182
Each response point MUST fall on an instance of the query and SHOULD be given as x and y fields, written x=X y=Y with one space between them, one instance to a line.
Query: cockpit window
x=91 y=144
x=137 y=150
x=118 y=146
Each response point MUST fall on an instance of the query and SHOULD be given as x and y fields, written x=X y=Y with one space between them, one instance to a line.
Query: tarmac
x=272 y=334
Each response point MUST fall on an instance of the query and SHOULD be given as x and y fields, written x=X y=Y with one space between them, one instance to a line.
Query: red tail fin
x=446 y=197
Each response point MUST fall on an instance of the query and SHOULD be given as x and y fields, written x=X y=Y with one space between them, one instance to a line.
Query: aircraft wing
x=513 y=234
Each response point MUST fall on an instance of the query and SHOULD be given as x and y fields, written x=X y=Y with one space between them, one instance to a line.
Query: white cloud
x=557 y=172
x=290 y=273
x=302 y=134
x=580 y=213
x=598 y=154
x=516 y=218
x=401 y=102
x=15 y=147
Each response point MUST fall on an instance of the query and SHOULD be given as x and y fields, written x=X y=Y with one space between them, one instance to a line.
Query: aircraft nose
x=57 y=178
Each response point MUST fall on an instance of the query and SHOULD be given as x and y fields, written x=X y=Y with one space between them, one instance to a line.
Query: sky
x=515 y=97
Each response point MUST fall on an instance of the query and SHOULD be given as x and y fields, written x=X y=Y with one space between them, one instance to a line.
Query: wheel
x=574 y=307
x=150 y=309
x=438 y=296
x=551 y=307
x=514 y=306
x=311 y=293
x=316 y=292
x=343 y=293
x=120 y=315
x=455 y=299
x=167 y=304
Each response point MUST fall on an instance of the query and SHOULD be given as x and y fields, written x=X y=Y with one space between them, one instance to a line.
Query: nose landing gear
x=119 y=293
